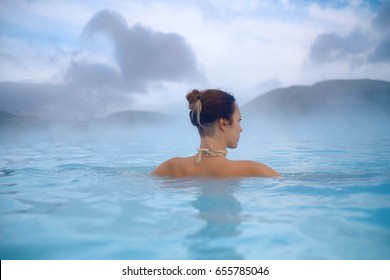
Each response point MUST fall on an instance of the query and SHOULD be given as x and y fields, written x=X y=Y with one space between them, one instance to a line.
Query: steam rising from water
x=175 y=129
x=327 y=110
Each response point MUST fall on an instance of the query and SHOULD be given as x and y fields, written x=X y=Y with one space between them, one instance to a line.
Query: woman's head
x=207 y=107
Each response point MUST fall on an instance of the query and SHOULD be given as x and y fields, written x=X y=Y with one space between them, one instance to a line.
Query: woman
x=217 y=117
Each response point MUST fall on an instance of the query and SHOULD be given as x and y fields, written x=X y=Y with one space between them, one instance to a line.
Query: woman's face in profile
x=234 y=129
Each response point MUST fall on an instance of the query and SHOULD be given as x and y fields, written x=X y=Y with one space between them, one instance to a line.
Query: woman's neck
x=212 y=142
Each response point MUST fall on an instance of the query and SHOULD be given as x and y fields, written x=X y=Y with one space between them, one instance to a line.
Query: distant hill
x=132 y=117
x=333 y=99
x=10 y=123
x=8 y=120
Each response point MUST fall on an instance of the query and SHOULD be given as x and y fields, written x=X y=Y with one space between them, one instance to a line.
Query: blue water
x=93 y=198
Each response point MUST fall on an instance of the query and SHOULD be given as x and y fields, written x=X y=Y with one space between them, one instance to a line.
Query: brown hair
x=207 y=106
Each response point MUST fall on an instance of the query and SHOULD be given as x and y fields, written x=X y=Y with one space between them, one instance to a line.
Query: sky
x=73 y=60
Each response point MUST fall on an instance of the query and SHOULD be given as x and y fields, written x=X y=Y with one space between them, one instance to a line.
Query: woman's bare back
x=213 y=167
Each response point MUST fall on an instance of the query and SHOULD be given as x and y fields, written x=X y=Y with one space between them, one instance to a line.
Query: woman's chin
x=233 y=146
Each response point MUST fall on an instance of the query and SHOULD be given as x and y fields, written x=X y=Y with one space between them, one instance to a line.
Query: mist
x=324 y=112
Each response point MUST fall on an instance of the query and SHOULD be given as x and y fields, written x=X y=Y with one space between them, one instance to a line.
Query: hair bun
x=193 y=97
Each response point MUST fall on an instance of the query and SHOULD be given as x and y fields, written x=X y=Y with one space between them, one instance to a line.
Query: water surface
x=93 y=198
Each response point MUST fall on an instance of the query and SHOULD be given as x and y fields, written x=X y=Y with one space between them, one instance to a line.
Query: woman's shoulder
x=169 y=167
x=253 y=168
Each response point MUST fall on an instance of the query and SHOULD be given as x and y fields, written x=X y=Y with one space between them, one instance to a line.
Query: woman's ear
x=222 y=123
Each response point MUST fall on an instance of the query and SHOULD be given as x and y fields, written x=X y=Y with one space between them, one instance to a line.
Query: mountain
x=11 y=124
x=341 y=100
x=132 y=117
x=8 y=120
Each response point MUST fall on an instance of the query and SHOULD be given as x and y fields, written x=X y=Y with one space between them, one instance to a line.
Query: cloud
x=84 y=74
x=381 y=22
x=382 y=19
x=10 y=58
x=144 y=55
x=330 y=47
x=88 y=88
x=369 y=46
x=381 y=52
